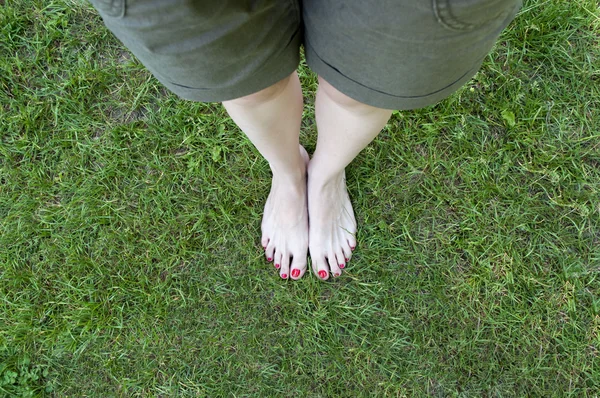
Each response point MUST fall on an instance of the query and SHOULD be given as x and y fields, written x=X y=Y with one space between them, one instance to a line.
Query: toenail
x=269 y=259
x=295 y=273
x=342 y=265
x=277 y=266
x=322 y=274
x=347 y=260
x=352 y=247
x=284 y=276
x=336 y=274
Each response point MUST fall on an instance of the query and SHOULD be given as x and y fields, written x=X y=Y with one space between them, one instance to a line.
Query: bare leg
x=271 y=119
x=346 y=127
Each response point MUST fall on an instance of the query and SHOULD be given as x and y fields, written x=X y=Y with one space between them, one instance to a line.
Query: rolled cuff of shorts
x=379 y=99
x=274 y=70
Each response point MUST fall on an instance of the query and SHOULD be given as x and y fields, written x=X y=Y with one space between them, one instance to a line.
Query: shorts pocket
x=468 y=15
x=110 y=8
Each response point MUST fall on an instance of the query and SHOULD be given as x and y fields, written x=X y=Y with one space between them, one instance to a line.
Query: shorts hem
x=376 y=98
x=275 y=70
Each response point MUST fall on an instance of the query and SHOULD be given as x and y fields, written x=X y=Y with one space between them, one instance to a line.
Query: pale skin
x=308 y=209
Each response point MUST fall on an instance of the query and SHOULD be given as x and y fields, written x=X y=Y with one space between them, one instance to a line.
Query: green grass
x=130 y=262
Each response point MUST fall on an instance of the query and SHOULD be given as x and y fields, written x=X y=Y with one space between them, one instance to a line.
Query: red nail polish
x=295 y=273
x=277 y=266
x=336 y=274
x=269 y=259
x=342 y=265
x=322 y=274
x=347 y=260
x=284 y=276
x=352 y=248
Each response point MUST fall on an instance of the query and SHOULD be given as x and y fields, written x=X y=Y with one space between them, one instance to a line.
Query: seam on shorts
x=443 y=13
x=189 y=87
x=111 y=8
x=383 y=92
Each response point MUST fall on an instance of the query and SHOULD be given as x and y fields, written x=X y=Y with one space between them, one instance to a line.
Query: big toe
x=298 y=266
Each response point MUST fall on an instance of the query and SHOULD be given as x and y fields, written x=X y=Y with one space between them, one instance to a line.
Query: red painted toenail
x=322 y=274
x=269 y=259
x=347 y=260
x=295 y=273
x=352 y=248
x=277 y=266
x=284 y=276
x=342 y=265
x=336 y=274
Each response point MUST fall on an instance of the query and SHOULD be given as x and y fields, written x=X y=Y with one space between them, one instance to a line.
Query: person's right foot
x=332 y=226
x=285 y=223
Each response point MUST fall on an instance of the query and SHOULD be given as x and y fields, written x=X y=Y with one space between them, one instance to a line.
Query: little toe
x=270 y=251
x=264 y=242
x=352 y=242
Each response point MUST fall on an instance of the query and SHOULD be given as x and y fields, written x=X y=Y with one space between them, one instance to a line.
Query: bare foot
x=332 y=226
x=285 y=223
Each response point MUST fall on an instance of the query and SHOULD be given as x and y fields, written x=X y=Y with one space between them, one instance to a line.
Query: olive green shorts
x=394 y=54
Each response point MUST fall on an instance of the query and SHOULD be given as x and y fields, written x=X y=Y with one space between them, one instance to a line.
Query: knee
x=338 y=97
x=349 y=104
x=263 y=95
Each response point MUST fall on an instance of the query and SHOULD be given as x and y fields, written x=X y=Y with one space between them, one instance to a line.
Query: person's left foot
x=332 y=226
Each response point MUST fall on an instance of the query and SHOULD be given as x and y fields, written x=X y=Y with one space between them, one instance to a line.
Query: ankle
x=322 y=176
x=290 y=175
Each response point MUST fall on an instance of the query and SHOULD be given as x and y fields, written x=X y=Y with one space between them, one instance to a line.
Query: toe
x=264 y=241
x=298 y=267
x=285 y=266
x=314 y=265
x=277 y=260
x=341 y=262
x=334 y=268
x=347 y=252
x=323 y=274
x=352 y=242
x=319 y=267
x=270 y=251
x=344 y=252
x=322 y=269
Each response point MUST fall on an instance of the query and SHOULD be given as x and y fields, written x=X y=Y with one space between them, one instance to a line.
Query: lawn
x=130 y=260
